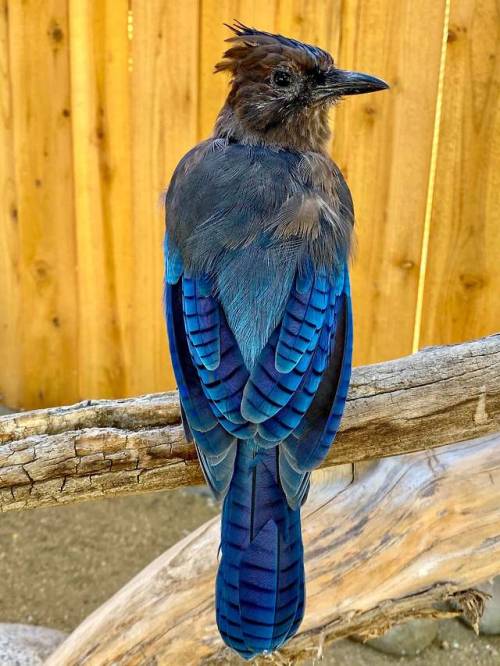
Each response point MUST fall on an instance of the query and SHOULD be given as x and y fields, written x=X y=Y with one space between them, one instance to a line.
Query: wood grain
x=101 y=448
x=92 y=125
x=383 y=146
x=461 y=297
x=10 y=357
x=99 y=49
x=299 y=19
x=164 y=102
x=46 y=328
x=377 y=552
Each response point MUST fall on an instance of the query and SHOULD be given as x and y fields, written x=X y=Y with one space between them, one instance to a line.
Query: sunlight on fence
x=100 y=100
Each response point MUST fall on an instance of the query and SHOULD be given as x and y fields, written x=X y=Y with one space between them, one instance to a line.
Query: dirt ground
x=58 y=564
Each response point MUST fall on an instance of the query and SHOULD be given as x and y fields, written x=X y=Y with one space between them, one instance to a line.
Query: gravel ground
x=58 y=564
x=456 y=645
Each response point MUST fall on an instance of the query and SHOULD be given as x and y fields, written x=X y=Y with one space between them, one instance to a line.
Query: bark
x=406 y=534
x=108 y=447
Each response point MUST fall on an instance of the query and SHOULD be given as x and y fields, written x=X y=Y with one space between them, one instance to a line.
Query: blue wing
x=306 y=447
x=295 y=393
x=302 y=408
x=209 y=370
x=319 y=426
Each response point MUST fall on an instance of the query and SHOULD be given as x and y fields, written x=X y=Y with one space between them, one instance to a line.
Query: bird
x=259 y=230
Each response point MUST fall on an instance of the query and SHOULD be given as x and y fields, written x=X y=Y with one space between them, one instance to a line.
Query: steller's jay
x=259 y=227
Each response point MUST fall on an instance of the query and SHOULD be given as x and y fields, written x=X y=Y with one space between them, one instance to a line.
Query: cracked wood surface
x=393 y=542
x=106 y=447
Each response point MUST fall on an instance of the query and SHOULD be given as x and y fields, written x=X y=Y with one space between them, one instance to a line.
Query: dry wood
x=405 y=534
x=438 y=396
x=383 y=144
x=43 y=270
x=10 y=290
x=461 y=297
x=164 y=111
x=100 y=122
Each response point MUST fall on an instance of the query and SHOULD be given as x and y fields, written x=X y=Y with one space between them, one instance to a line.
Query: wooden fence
x=99 y=100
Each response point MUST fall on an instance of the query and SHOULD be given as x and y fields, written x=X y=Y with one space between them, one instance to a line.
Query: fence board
x=101 y=144
x=40 y=79
x=461 y=297
x=10 y=375
x=299 y=18
x=164 y=126
x=383 y=145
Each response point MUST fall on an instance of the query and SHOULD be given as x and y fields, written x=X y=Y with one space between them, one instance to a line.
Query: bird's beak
x=342 y=82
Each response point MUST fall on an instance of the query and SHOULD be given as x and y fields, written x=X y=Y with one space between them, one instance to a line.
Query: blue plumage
x=302 y=323
x=319 y=426
x=201 y=321
x=258 y=306
x=244 y=402
x=260 y=591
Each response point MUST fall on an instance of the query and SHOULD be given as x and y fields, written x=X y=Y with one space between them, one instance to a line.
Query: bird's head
x=281 y=89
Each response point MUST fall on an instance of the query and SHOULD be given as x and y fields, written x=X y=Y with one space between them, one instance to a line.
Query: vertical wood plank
x=316 y=22
x=164 y=100
x=101 y=144
x=214 y=13
x=9 y=239
x=383 y=145
x=40 y=79
x=461 y=296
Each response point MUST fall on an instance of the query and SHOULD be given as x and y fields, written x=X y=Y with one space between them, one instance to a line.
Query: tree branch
x=109 y=447
x=406 y=534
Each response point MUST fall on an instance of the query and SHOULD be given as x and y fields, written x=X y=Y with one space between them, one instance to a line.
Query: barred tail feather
x=260 y=582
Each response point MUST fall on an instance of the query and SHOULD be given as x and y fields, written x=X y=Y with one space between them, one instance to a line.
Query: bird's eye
x=282 y=78
x=319 y=77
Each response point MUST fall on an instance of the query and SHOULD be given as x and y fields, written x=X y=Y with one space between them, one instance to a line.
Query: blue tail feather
x=260 y=582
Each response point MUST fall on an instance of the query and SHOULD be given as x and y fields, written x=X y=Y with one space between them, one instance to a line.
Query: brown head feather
x=259 y=108
x=258 y=48
x=281 y=90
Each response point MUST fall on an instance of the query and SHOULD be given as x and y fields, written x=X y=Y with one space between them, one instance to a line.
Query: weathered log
x=435 y=397
x=406 y=533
